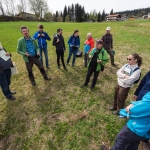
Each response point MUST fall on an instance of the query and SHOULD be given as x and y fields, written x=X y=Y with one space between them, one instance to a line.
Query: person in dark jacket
x=5 y=74
x=42 y=36
x=59 y=43
x=108 y=44
x=74 y=44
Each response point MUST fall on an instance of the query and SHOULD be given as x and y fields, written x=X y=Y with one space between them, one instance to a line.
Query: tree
x=93 y=15
x=48 y=16
x=99 y=17
x=67 y=18
x=111 y=12
x=64 y=13
x=59 y=18
x=103 y=16
x=1 y=8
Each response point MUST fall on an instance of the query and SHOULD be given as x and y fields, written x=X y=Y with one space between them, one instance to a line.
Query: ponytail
x=139 y=59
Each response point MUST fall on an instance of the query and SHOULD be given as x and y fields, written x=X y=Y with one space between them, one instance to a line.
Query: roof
x=114 y=15
x=25 y=13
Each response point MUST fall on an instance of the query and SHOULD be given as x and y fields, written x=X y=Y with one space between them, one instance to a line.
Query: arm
x=19 y=48
x=105 y=58
x=69 y=41
x=79 y=42
x=36 y=47
x=64 y=44
x=47 y=36
x=54 y=41
x=111 y=41
x=35 y=36
x=120 y=73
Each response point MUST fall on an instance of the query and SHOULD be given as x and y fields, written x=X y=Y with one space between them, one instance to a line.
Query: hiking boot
x=58 y=67
x=33 y=83
x=103 y=147
x=112 y=108
x=47 y=67
x=65 y=69
x=11 y=98
x=116 y=112
x=145 y=146
x=47 y=78
x=13 y=92
x=72 y=65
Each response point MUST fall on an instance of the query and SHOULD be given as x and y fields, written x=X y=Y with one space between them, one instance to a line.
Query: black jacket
x=61 y=44
x=108 y=41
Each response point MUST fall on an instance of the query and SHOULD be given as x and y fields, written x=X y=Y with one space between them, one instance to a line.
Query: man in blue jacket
x=137 y=128
x=42 y=36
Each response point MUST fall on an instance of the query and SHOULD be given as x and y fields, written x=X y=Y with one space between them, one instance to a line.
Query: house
x=24 y=15
x=114 y=17
x=148 y=15
x=132 y=18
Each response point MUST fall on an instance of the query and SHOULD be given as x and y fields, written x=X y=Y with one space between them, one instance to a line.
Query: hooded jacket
x=89 y=44
x=139 y=116
x=74 y=41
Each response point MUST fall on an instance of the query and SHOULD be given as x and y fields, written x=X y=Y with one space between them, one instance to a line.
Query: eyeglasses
x=129 y=59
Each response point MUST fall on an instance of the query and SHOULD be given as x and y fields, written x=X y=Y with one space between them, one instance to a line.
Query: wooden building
x=25 y=15
x=114 y=17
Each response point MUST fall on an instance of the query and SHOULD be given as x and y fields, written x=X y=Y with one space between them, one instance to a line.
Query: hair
x=59 y=29
x=75 y=31
x=24 y=27
x=89 y=34
x=40 y=26
x=139 y=58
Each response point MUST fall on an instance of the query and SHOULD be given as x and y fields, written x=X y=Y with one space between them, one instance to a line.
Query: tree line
x=72 y=13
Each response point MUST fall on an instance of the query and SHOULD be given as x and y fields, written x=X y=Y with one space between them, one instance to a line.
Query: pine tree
x=111 y=12
x=64 y=13
x=103 y=15
x=99 y=17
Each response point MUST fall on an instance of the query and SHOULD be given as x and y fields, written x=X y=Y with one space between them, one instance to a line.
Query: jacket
x=89 y=44
x=42 y=40
x=108 y=41
x=102 y=56
x=61 y=44
x=21 y=48
x=74 y=41
x=139 y=116
x=143 y=87
x=122 y=81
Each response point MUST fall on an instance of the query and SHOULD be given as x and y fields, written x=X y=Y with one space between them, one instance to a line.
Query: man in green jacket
x=98 y=58
x=28 y=48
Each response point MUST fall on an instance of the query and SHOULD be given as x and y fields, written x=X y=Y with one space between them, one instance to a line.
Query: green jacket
x=21 y=48
x=103 y=55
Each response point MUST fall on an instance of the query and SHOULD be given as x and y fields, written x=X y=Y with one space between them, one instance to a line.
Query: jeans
x=60 y=54
x=46 y=56
x=5 y=82
x=74 y=52
x=127 y=140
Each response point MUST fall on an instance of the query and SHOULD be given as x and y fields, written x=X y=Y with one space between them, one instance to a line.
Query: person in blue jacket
x=42 y=36
x=138 y=126
x=74 y=44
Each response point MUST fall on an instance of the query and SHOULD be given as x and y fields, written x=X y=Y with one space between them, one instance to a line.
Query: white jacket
x=122 y=81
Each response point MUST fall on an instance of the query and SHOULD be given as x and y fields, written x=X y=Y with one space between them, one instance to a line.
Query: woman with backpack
x=128 y=75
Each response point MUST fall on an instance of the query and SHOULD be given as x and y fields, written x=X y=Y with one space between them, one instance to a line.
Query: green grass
x=59 y=115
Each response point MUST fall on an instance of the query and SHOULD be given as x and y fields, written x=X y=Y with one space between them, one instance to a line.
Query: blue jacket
x=74 y=42
x=42 y=40
x=139 y=117
x=143 y=87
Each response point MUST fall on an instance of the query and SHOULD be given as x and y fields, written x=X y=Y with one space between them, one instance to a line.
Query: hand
x=57 y=40
x=90 y=56
x=99 y=61
x=7 y=54
x=134 y=97
x=39 y=35
x=128 y=107
x=27 y=54
x=42 y=34
x=38 y=53
x=126 y=77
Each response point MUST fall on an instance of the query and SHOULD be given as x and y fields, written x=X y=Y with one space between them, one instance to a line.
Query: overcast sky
x=99 y=5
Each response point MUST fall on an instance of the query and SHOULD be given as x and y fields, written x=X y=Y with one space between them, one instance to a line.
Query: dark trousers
x=127 y=140
x=74 y=52
x=86 y=59
x=5 y=82
x=60 y=54
x=37 y=62
x=46 y=56
x=120 y=96
x=89 y=73
x=111 y=56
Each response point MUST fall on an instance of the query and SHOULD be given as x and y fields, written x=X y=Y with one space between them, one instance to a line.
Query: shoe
x=72 y=65
x=116 y=112
x=103 y=147
x=114 y=65
x=13 y=92
x=112 y=108
x=58 y=67
x=11 y=98
x=83 y=86
x=91 y=87
x=145 y=146
x=47 y=67
x=47 y=78
x=66 y=69
x=33 y=83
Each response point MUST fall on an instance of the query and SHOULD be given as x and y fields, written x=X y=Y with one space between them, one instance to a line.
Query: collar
x=133 y=66
x=30 y=39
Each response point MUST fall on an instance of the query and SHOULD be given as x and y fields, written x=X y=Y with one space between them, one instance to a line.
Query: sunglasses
x=129 y=59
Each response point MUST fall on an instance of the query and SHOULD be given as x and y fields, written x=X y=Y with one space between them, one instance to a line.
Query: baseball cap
x=108 y=28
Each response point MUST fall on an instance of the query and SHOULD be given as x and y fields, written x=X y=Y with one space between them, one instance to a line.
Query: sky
x=99 y=5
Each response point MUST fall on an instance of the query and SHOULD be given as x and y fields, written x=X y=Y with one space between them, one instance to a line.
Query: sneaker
x=11 y=98
x=47 y=78
x=103 y=147
x=112 y=108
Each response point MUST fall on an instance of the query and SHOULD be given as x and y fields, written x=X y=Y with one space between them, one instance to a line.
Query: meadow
x=58 y=114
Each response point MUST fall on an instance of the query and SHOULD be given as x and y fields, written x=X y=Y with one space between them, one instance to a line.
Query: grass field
x=59 y=115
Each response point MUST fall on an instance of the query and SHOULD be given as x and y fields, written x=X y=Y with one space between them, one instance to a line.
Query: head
x=40 y=27
x=134 y=59
x=108 y=29
x=25 y=31
x=89 y=36
x=76 y=33
x=99 y=44
x=59 y=31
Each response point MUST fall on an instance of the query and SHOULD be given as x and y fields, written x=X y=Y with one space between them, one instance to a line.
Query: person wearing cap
x=108 y=44
x=74 y=44
x=28 y=48
x=88 y=45
x=98 y=58
x=42 y=36
x=59 y=43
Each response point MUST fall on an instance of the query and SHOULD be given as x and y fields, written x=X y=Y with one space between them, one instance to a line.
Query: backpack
x=79 y=53
x=135 y=82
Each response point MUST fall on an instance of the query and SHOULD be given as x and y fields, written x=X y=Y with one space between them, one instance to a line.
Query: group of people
x=138 y=126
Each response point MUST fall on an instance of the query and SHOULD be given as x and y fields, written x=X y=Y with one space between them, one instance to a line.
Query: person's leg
x=89 y=73
x=85 y=59
x=74 y=56
x=69 y=56
x=111 y=56
x=46 y=57
x=41 y=56
x=96 y=73
x=58 y=58
x=62 y=59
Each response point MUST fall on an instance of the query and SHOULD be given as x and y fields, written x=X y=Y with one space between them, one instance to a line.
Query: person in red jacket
x=88 y=45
